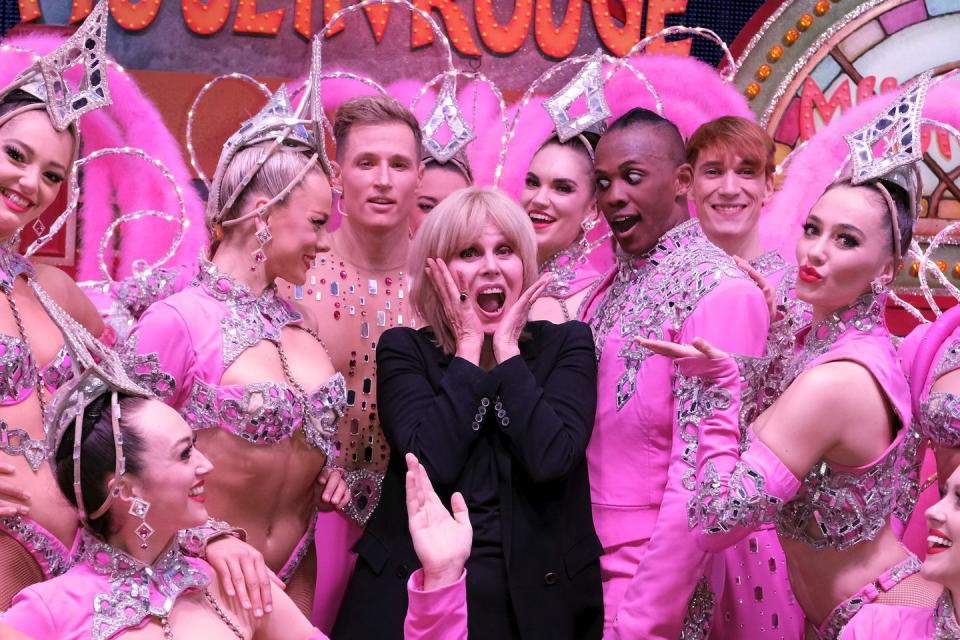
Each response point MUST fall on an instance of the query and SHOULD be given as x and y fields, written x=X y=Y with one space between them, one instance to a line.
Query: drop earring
x=139 y=509
x=263 y=237
x=877 y=286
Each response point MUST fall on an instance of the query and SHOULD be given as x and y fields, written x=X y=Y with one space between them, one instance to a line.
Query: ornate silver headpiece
x=447 y=111
x=277 y=122
x=896 y=130
x=46 y=78
x=97 y=370
x=588 y=83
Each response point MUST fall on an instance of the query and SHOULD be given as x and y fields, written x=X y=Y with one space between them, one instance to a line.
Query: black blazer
x=534 y=413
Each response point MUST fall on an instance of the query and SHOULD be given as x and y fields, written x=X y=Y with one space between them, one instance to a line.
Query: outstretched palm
x=442 y=541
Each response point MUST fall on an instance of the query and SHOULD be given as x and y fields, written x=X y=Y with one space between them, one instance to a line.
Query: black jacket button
x=550 y=577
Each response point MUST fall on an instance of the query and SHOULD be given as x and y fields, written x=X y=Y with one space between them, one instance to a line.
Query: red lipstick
x=809 y=274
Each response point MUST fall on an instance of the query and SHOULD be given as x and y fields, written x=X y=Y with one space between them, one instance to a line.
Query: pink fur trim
x=122 y=184
x=812 y=169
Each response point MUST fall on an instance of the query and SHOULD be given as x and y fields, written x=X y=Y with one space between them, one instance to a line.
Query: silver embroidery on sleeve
x=742 y=503
x=696 y=401
x=769 y=263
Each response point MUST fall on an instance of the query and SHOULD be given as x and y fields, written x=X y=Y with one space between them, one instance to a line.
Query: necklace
x=168 y=632
x=18 y=441
x=287 y=374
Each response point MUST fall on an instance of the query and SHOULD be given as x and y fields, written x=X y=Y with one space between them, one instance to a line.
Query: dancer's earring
x=589 y=224
x=877 y=286
x=139 y=509
x=263 y=237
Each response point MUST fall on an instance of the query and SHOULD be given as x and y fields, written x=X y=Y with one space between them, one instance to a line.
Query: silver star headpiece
x=587 y=83
x=896 y=130
x=446 y=111
x=276 y=121
x=46 y=78
x=97 y=370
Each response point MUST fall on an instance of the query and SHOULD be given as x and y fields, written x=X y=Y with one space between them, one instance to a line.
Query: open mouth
x=540 y=219
x=938 y=542
x=308 y=261
x=16 y=201
x=491 y=300
x=623 y=224
x=196 y=492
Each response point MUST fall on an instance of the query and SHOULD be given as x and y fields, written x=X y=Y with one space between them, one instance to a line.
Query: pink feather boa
x=123 y=184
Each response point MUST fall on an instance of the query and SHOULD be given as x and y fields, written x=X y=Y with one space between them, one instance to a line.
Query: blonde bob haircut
x=453 y=226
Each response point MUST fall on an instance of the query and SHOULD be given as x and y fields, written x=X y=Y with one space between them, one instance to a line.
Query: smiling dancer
x=941 y=566
x=40 y=142
x=121 y=457
x=733 y=163
x=559 y=195
x=245 y=368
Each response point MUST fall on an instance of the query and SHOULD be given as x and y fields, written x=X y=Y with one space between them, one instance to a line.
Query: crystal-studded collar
x=668 y=243
x=564 y=265
x=251 y=318
x=946 y=619
x=769 y=262
x=12 y=265
x=863 y=315
x=137 y=590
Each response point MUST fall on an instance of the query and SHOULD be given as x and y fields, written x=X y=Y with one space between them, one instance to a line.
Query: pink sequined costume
x=904 y=622
x=641 y=455
x=833 y=508
x=108 y=592
x=20 y=379
x=182 y=346
x=757 y=601
x=927 y=353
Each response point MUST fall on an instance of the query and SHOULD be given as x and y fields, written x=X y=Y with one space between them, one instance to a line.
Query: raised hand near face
x=461 y=316
x=507 y=335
